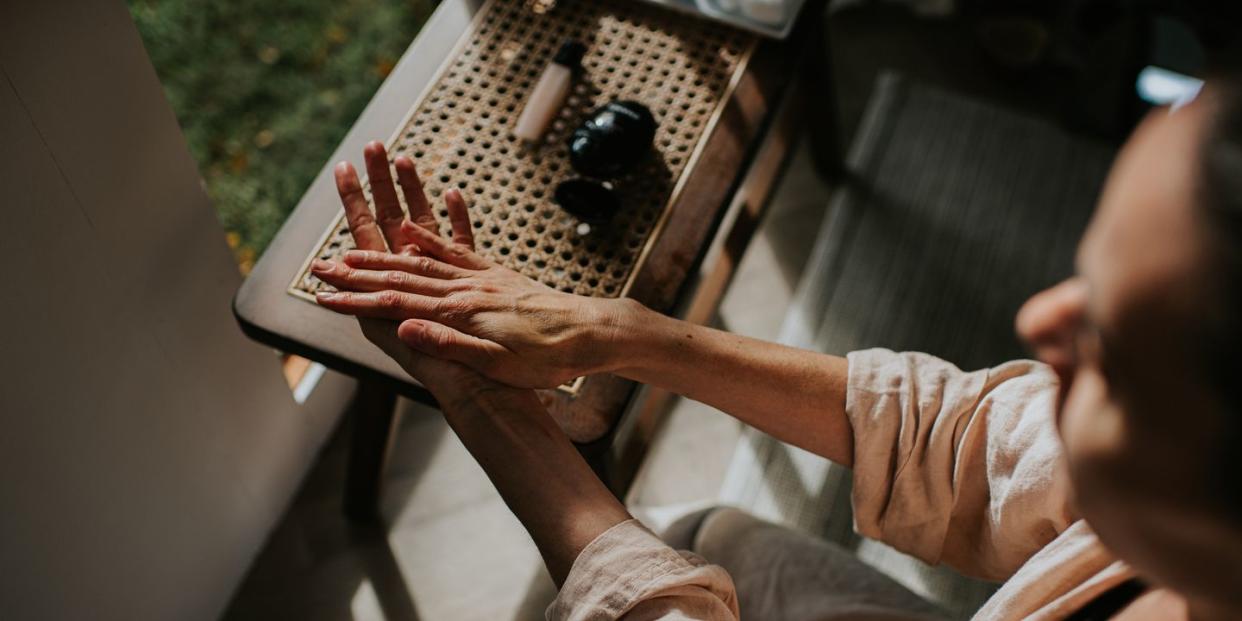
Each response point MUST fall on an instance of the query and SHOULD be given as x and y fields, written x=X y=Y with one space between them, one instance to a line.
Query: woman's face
x=1139 y=427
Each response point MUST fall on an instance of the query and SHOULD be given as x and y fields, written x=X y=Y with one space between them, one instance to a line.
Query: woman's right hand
x=457 y=305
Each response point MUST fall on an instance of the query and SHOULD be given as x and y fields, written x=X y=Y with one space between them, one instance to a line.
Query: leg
x=374 y=417
x=782 y=574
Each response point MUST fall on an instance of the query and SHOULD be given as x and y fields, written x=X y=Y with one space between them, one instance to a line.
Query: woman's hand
x=453 y=384
x=457 y=305
x=536 y=469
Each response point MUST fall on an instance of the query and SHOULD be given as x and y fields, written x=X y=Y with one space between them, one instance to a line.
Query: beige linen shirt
x=951 y=467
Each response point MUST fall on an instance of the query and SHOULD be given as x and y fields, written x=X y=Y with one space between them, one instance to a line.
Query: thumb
x=441 y=341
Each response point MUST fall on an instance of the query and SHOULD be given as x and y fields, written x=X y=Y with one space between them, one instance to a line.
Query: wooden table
x=736 y=171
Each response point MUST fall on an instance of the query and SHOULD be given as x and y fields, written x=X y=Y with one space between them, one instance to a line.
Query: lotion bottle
x=546 y=99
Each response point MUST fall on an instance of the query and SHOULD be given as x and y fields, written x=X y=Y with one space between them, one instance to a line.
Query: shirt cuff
x=626 y=565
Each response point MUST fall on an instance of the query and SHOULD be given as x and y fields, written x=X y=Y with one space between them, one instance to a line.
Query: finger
x=383 y=334
x=426 y=369
x=415 y=197
x=387 y=208
x=421 y=266
x=362 y=224
x=440 y=341
x=346 y=278
x=440 y=248
x=396 y=305
x=459 y=218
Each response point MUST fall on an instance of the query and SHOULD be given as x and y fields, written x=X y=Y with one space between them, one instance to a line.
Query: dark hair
x=1220 y=194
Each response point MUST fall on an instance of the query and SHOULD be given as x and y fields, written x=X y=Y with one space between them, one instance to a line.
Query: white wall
x=146 y=447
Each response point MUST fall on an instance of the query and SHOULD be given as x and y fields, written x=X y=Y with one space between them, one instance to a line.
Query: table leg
x=373 y=415
x=822 y=117
x=598 y=455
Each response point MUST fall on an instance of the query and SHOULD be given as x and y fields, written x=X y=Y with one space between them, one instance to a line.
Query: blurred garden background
x=265 y=90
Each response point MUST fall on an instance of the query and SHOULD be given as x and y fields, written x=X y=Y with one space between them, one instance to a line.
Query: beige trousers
x=784 y=575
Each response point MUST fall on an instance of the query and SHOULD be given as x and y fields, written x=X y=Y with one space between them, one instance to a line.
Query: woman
x=1097 y=483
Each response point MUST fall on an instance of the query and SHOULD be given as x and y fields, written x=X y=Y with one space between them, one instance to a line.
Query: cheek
x=1079 y=402
x=1091 y=431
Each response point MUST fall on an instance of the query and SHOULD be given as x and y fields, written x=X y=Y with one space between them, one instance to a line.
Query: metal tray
x=730 y=12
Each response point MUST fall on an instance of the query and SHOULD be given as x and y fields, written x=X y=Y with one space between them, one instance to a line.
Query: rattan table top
x=459 y=132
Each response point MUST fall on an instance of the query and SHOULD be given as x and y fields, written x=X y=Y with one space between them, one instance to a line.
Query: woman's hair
x=1220 y=195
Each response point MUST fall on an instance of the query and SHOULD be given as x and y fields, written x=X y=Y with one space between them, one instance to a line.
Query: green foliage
x=265 y=90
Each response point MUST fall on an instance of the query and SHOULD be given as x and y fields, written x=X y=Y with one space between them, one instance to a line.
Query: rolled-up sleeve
x=629 y=573
x=954 y=467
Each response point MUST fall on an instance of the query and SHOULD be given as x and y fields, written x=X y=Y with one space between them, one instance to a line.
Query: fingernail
x=319 y=265
x=325 y=296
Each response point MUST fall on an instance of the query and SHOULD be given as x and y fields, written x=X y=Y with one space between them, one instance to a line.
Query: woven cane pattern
x=460 y=132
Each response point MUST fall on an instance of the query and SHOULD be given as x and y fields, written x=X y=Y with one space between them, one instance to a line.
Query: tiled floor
x=451 y=550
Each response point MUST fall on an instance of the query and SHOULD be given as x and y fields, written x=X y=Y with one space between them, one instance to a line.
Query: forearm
x=795 y=395
x=538 y=472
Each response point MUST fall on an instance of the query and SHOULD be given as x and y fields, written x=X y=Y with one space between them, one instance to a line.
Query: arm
x=957 y=468
x=538 y=472
x=605 y=563
x=795 y=395
x=460 y=306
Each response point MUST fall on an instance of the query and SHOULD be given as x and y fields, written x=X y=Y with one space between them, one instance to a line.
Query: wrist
x=487 y=399
x=616 y=329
